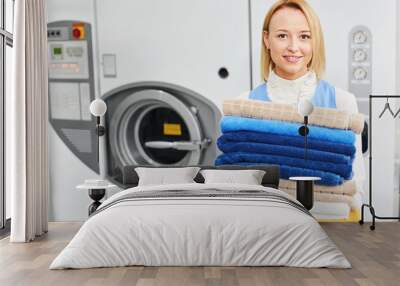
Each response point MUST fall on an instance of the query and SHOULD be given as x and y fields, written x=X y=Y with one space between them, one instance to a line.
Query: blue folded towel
x=297 y=152
x=236 y=123
x=343 y=170
x=327 y=178
x=296 y=141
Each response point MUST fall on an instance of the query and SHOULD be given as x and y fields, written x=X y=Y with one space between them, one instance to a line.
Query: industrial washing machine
x=161 y=124
x=147 y=123
x=163 y=83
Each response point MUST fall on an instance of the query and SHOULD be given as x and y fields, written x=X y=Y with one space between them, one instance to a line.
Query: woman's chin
x=291 y=73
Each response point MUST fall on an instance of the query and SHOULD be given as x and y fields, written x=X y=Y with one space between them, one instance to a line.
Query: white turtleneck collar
x=282 y=90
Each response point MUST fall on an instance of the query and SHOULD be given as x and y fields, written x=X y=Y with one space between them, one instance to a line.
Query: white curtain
x=27 y=123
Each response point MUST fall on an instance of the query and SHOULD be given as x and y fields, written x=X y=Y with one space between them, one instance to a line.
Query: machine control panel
x=71 y=78
x=71 y=87
x=68 y=60
x=75 y=31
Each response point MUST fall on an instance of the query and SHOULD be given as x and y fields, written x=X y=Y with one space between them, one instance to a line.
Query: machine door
x=154 y=127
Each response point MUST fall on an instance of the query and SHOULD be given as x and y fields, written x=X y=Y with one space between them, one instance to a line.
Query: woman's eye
x=305 y=37
x=282 y=36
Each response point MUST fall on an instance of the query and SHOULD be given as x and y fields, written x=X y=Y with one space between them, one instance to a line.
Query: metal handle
x=178 y=145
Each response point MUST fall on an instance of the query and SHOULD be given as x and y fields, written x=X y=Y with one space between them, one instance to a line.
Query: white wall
x=397 y=124
x=397 y=48
x=380 y=18
x=66 y=171
x=180 y=42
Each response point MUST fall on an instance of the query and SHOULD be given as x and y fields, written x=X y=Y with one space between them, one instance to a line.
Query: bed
x=201 y=224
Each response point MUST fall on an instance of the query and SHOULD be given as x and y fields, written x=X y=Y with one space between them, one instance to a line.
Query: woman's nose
x=293 y=45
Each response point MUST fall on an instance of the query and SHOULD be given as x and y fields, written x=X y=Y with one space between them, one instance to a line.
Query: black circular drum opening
x=163 y=124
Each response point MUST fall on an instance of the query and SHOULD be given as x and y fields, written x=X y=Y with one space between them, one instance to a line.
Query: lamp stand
x=100 y=131
x=303 y=131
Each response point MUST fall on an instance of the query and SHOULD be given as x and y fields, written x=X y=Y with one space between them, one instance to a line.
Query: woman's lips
x=293 y=59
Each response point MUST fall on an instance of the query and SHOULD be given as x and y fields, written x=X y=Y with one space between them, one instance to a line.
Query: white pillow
x=165 y=176
x=248 y=177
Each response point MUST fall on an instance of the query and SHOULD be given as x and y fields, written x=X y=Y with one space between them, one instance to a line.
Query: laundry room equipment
x=71 y=88
x=156 y=123
x=164 y=74
x=370 y=205
x=72 y=138
x=168 y=63
x=202 y=46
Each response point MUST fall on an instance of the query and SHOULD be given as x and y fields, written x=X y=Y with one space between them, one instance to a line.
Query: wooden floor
x=374 y=255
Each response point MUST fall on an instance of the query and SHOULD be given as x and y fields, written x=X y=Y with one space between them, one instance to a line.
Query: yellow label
x=172 y=129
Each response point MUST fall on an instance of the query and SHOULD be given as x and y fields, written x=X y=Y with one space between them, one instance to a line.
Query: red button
x=76 y=33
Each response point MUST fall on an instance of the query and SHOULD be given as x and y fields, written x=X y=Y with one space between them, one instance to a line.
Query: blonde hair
x=317 y=63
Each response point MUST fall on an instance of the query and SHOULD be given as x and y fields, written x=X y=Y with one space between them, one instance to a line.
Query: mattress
x=200 y=225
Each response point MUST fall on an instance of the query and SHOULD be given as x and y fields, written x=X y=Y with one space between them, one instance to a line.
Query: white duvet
x=200 y=231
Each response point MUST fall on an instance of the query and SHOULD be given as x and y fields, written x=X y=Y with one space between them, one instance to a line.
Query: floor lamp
x=305 y=108
x=305 y=184
x=97 y=188
x=98 y=108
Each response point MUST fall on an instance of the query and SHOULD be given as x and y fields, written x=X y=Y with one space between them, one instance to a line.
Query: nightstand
x=305 y=190
x=96 y=193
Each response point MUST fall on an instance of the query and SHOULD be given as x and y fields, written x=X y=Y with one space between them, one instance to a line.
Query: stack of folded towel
x=256 y=132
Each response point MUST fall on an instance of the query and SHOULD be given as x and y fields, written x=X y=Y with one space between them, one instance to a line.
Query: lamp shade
x=98 y=107
x=305 y=107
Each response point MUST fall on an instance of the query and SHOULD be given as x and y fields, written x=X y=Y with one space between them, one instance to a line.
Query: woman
x=293 y=59
x=292 y=64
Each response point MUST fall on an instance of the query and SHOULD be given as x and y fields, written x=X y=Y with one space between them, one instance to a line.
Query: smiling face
x=289 y=43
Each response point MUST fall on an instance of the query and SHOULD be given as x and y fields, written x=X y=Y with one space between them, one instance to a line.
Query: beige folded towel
x=326 y=117
x=347 y=188
x=324 y=197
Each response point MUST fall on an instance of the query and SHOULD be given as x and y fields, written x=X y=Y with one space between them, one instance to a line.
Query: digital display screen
x=57 y=51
